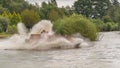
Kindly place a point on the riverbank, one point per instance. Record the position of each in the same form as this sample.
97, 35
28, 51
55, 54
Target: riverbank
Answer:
4, 35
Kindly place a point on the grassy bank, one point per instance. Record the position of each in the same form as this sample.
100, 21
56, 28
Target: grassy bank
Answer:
4, 35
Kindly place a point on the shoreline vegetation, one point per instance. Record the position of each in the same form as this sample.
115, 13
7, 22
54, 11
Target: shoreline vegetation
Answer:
81, 18
5, 35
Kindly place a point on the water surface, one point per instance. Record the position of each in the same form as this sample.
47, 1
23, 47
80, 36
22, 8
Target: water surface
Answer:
104, 54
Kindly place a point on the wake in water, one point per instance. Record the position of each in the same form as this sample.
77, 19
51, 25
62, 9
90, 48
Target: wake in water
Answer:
40, 37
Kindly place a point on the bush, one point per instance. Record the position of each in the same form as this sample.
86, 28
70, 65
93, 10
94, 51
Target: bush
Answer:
14, 18
99, 24
108, 26
30, 17
111, 26
76, 24
12, 29
107, 19
3, 24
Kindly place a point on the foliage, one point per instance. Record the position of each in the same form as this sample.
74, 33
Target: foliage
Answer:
30, 17
92, 8
107, 19
114, 13
67, 10
115, 2
76, 24
12, 29
14, 18
108, 26
54, 2
14, 5
99, 24
111, 26
2, 9
53, 15
106, 14
3, 24
47, 11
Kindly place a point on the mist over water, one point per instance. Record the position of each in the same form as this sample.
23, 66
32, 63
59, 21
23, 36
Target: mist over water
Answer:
45, 40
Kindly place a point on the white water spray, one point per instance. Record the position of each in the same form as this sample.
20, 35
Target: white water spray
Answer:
22, 30
43, 38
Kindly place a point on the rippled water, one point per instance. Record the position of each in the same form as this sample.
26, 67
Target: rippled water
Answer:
104, 54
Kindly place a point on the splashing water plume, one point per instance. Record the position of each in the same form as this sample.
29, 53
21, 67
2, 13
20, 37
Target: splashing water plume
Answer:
40, 37
22, 30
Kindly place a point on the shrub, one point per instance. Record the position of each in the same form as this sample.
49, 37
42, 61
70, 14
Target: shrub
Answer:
99, 24
3, 24
76, 24
116, 26
14, 18
107, 19
111, 26
108, 26
12, 29
30, 17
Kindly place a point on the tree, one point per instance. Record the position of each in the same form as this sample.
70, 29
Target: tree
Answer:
54, 2
83, 7
68, 10
43, 11
5, 3
114, 13
53, 15
92, 8
115, 2
44, 4
47, 11
2, 9
30, 17
15, 5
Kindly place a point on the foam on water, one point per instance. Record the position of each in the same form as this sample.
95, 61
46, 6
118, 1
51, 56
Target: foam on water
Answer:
47, 40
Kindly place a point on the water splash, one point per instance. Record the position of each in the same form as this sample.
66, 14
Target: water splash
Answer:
46, 39
22, 30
